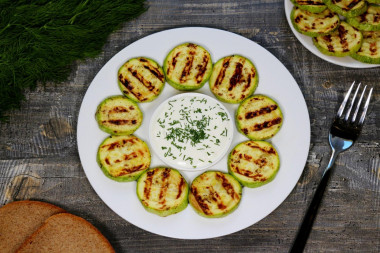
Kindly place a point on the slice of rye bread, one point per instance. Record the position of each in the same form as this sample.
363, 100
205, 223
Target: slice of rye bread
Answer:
19, 220
66, 233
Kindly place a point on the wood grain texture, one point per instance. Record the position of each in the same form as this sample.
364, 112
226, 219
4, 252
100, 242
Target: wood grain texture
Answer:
39, 159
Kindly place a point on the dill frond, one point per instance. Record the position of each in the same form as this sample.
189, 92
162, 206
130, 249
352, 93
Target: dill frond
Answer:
40, 39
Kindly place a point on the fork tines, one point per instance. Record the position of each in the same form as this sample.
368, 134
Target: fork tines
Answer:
342, 107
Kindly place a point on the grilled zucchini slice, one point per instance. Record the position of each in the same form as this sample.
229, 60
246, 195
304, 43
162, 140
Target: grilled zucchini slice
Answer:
368, 21
313, 6
188, 67
118, 115
344, 41
233, 79
373, 1
259, 117
254, 163
370, 49
215, 194
314, 24
163, 191
123, 158
347, 8
141, 79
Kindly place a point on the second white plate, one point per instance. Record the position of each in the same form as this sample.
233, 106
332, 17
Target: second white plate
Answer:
307, 42
292, 141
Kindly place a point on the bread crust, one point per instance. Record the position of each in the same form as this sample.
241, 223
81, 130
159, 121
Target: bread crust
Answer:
79, 220
19, 219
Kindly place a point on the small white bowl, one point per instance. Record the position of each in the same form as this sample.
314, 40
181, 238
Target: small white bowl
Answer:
180, 164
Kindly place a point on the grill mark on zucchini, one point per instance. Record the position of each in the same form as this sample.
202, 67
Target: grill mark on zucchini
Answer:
174, 62
202, 69
270, 151
222, 72
236, 76
309, 2
164, 186
201, 202
119, 122
259, 162
118, 109
127, 171
343, 41
248, 84
266, 124
180, 186
226, 185
130, 156
141, 79
155, 72
127, 84
216, 198
350, 6
186, 70
373, 48
114, 145
261, 111
254, 175
148, 184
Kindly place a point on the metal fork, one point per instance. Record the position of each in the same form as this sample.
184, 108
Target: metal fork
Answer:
344, 131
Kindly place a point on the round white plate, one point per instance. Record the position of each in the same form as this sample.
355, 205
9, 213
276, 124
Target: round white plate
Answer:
307, 42
292, 141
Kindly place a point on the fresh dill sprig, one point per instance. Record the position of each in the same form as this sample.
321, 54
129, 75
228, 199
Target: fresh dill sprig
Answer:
39, 40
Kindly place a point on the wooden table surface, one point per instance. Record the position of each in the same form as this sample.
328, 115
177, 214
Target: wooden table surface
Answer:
39, 157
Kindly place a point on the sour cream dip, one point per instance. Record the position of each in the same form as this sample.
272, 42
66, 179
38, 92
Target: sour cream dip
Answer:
191, 131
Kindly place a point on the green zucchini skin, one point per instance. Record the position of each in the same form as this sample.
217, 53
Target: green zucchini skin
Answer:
233, 79
345, 33
118, 115
374, 1
215, 194
314, 6
347, 12
259, 117
322, 23
116, 153
370, 49
254, 163
187, 67
163, 191
141, 79
368, 21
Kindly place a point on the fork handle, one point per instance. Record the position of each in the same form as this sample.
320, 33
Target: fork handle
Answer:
308, 220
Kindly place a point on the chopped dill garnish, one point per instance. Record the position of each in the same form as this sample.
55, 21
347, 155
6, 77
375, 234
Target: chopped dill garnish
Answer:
161, 122
169, 152
223, 115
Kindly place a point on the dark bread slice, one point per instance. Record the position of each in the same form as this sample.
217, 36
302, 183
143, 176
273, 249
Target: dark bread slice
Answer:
66, 233
19, 219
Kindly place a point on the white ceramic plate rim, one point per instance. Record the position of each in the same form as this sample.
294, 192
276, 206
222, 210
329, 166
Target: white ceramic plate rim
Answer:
307, 42
292, 141
172, 163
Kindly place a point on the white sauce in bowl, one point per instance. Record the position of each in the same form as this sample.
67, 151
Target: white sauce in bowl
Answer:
191, 131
